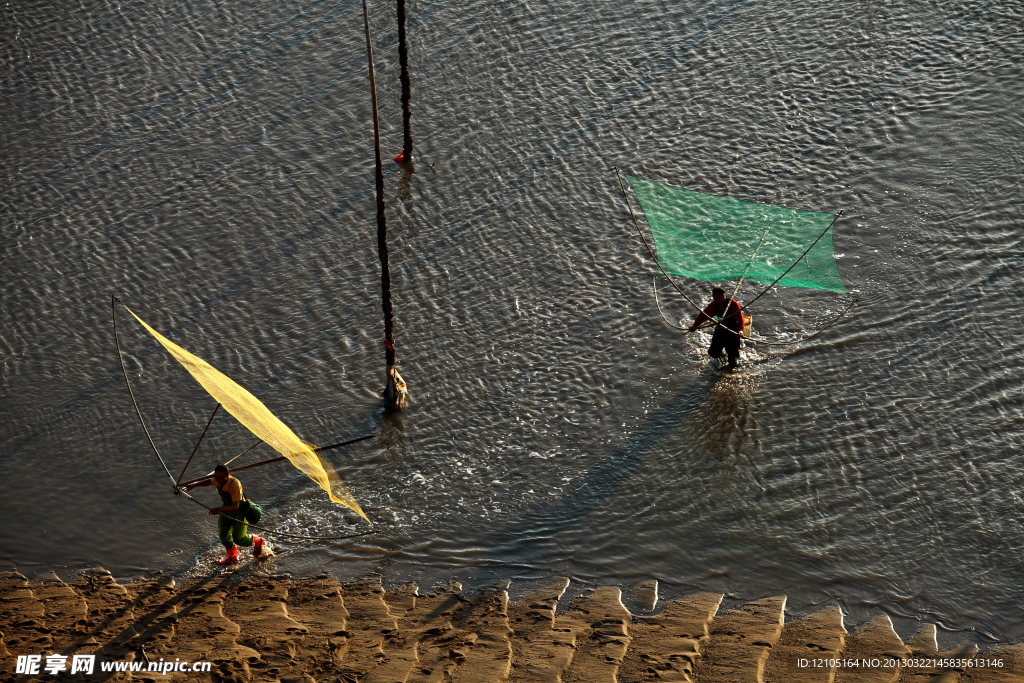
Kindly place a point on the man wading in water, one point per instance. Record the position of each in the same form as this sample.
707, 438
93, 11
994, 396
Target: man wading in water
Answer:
230, 530
727, 335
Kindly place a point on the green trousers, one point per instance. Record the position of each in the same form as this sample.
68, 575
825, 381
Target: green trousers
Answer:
232, 532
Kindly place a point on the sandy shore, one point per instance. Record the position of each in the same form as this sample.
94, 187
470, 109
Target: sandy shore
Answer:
283, 629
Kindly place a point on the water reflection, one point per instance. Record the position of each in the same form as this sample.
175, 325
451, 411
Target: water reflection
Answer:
719, 422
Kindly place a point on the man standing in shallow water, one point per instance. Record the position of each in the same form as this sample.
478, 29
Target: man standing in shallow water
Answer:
230, 530
727, 335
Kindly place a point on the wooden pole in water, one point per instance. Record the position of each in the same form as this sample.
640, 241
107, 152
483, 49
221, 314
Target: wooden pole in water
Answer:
403, 60
395, 390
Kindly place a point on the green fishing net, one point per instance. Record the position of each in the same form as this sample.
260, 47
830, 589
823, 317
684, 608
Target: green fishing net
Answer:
718, 239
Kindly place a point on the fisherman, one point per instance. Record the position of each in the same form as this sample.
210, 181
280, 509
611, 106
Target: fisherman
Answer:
727, 334
231, 526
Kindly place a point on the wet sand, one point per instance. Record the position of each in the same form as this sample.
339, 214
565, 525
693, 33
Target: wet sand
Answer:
253, 628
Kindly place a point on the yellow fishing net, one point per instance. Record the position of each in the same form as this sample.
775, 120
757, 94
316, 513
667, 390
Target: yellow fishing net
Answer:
248, 410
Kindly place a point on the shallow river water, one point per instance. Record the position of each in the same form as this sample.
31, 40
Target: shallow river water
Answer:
211, 164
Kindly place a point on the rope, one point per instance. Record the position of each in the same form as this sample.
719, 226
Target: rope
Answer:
654, 282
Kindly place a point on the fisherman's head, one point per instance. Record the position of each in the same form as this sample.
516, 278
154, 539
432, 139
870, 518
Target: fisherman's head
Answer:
220, 473
717, 293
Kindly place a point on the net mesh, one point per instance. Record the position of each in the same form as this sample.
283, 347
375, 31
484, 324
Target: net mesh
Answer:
251, 412
717, 238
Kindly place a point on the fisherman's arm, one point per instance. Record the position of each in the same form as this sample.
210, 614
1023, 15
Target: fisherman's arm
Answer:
225, 508
192, 485
701, 317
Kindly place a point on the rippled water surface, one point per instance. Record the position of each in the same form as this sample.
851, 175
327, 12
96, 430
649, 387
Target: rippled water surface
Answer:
211, 164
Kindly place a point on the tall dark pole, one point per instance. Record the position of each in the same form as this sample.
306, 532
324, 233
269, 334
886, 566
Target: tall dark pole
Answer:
403, 60
395, 389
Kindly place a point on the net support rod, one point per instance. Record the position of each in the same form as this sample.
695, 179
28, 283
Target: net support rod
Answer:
316, 449
394, 387
257, 464
382, 230
210, 422
343, 443
258, 442
765, 291
750, 263
801, 341
113, 314
618, 175
403, 61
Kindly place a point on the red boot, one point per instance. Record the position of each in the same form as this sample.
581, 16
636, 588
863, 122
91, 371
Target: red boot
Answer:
232, 556
257, 546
